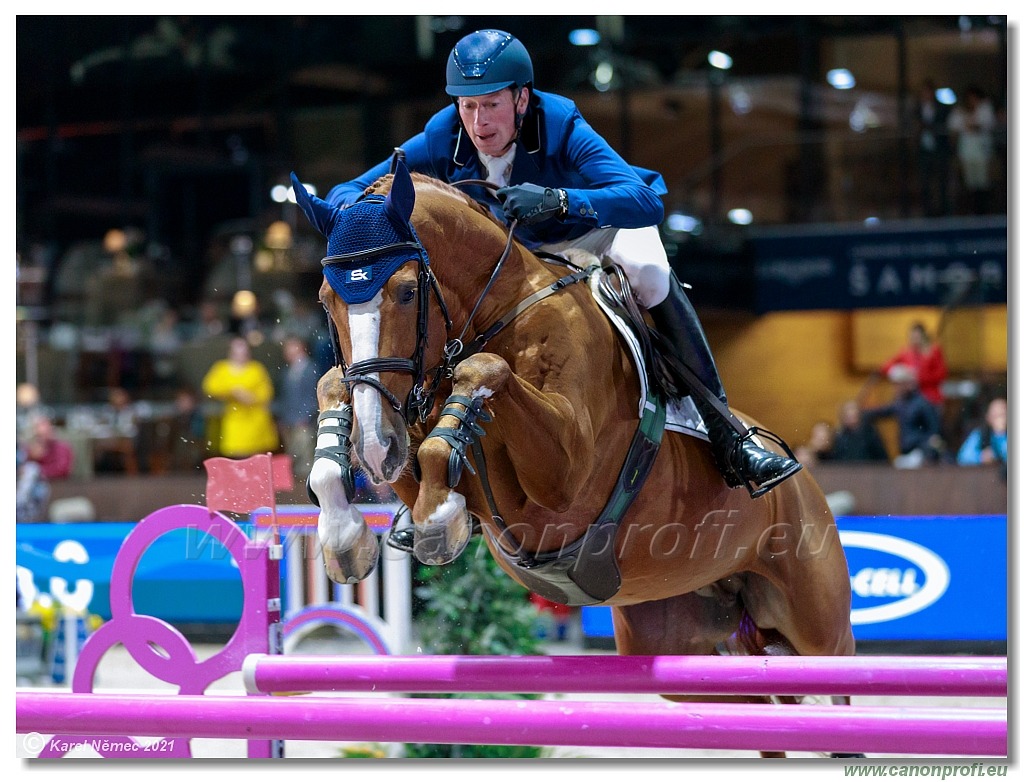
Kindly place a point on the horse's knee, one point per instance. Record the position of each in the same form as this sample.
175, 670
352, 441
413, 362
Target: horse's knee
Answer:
331, 388
484, 374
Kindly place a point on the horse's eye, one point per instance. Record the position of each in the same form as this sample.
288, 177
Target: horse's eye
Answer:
406, 295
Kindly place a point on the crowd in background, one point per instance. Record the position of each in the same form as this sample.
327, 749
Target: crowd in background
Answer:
916, 375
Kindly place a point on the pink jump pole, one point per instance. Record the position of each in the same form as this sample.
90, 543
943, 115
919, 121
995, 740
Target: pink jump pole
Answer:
920, 676
547, 723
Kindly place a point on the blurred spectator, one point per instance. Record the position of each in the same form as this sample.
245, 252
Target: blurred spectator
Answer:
934, 152
244, 386
53, 455
295, 318
165, 343
972, 124
818, 447
296, 406
211, 324
918, 422
32, 493
123, 283
123, 416
28, 405
117, 451
925, 357
986, 444
857, 440
188, 430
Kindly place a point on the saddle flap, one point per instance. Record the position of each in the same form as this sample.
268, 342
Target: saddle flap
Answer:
682, 413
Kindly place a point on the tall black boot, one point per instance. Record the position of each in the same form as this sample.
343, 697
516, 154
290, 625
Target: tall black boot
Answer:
685, 347
401, 535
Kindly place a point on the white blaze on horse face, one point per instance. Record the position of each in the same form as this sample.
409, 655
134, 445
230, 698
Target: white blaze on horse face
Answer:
364, 326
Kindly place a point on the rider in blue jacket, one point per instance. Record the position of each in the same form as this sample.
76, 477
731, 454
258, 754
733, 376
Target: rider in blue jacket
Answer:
568, 188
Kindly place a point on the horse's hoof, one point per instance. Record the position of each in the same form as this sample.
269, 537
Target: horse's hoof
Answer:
437, 547
354, 564
445, 535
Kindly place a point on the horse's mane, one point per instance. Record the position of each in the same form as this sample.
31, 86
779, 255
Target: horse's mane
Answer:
383, 184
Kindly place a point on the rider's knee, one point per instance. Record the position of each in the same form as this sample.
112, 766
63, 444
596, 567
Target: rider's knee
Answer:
650, 282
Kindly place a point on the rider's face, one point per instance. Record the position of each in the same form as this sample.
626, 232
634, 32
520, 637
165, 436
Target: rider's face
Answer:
490, 119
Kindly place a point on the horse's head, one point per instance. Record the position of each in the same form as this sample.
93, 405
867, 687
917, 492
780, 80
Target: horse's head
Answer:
377, 291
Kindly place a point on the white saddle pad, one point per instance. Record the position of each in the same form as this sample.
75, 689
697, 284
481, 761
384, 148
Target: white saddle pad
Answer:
681, 415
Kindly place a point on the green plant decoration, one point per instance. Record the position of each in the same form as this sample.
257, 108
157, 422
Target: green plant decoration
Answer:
471, 606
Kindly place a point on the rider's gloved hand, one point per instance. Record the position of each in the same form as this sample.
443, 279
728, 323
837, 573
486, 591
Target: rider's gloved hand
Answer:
531, 203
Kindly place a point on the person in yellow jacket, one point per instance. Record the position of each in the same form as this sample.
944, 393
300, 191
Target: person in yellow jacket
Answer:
247, 426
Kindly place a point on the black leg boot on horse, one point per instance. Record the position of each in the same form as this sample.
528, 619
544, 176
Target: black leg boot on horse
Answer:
685, 349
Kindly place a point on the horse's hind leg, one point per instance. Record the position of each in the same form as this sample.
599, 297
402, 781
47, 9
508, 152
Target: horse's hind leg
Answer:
712, 623
814, 620
684, 624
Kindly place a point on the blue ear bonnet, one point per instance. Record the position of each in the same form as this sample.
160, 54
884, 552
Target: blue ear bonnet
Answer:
360, 229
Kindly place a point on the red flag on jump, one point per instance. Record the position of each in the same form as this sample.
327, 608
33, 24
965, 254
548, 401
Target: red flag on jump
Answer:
241, 485
281, 465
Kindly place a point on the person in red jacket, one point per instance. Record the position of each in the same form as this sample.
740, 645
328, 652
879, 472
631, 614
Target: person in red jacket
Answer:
926, 358
54, 456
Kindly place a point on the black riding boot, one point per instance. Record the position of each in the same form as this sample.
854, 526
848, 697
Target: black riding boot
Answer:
740, 460
401, 537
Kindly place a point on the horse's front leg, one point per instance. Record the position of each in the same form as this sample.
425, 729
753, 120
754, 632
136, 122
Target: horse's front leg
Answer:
529, 424
350, 548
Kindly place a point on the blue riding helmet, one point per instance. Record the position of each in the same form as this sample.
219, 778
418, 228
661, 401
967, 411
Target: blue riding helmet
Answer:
487, 61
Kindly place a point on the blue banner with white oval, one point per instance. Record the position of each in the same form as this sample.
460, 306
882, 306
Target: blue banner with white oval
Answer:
913, 578
927, 577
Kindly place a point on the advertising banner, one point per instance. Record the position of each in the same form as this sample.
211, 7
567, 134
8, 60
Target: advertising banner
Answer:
862, 267
913, 578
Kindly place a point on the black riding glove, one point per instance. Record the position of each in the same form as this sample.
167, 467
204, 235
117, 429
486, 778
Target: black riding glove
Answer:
531, 203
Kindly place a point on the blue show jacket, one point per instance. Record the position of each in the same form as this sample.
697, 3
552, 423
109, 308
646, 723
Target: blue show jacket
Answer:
556, 148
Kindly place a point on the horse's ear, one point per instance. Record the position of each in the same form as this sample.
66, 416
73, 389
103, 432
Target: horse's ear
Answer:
321, 214
401, 198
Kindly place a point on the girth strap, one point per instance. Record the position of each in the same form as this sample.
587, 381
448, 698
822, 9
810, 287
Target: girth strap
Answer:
586, 571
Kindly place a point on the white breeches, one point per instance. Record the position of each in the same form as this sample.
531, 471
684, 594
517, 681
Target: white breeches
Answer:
638, 251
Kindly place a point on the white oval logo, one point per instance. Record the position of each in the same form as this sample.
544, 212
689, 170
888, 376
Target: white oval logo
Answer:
894, 581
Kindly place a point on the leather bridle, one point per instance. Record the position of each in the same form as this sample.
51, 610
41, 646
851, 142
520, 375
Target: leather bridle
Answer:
420, 399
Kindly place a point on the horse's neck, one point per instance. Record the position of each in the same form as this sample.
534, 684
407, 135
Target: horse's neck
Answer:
465, 268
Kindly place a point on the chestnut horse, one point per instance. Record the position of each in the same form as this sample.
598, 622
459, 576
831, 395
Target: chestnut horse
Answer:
545, 400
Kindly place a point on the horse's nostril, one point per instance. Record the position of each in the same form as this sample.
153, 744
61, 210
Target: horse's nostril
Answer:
393, 462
